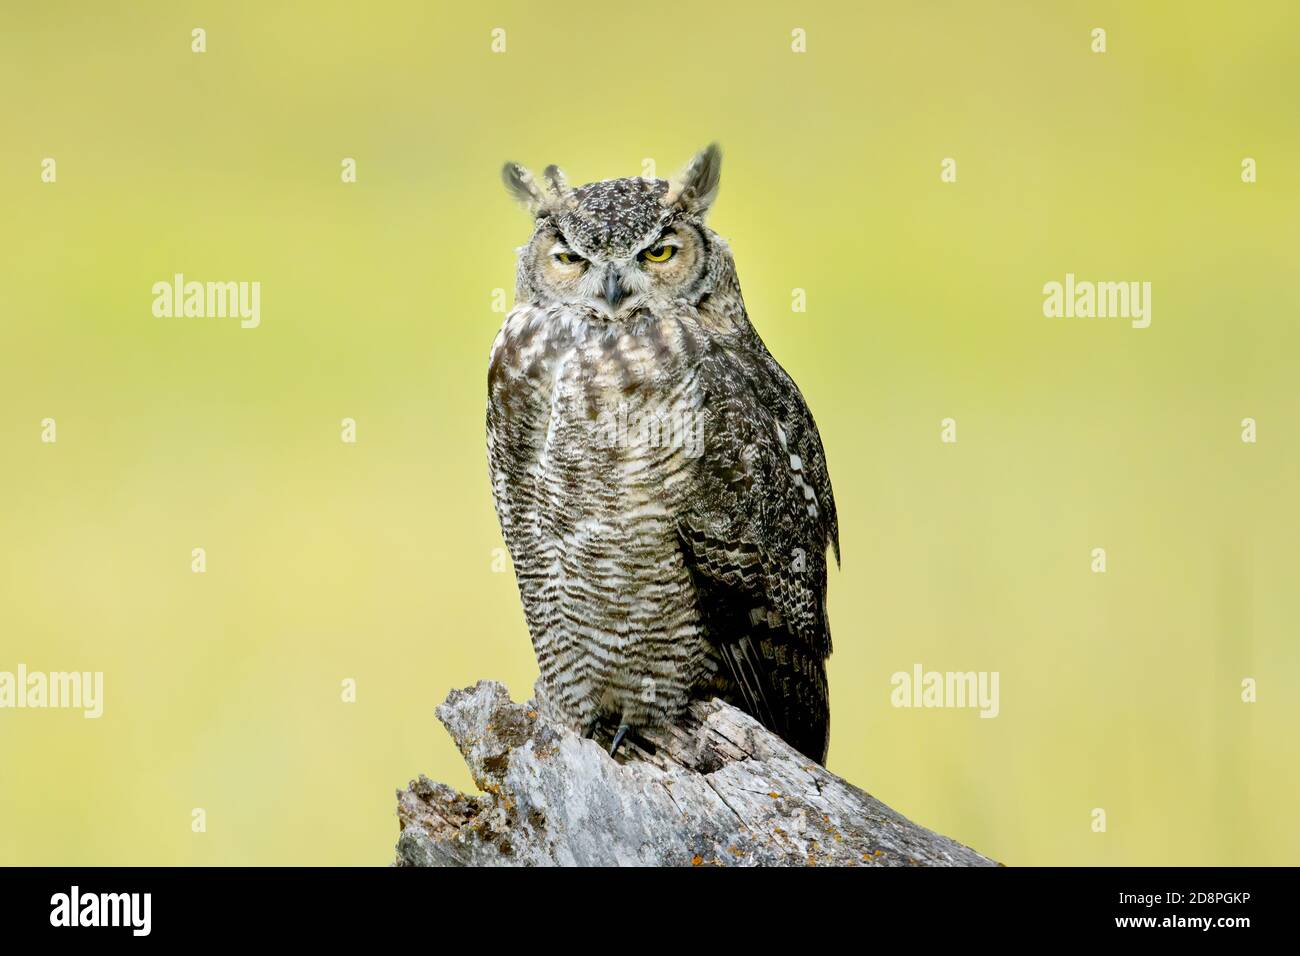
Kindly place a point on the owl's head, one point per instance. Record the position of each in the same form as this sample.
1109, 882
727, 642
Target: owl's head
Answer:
619, 246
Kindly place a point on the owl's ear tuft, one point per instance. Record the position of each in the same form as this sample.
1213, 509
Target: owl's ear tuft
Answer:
697, 186
557, 182
521, 185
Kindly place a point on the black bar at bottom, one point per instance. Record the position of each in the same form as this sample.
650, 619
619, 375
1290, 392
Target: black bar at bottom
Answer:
505, 907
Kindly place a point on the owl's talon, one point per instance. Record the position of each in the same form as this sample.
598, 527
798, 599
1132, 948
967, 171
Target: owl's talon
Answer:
618, 738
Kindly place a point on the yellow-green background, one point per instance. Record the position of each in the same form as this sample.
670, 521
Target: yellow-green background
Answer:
374, 561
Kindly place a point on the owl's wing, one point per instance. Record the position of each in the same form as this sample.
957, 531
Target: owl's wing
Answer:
514, 437
755, 539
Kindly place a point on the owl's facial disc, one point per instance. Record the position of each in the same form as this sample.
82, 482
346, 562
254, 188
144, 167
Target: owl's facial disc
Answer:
665, 265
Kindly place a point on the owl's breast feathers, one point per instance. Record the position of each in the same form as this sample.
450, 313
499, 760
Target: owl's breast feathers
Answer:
750, 499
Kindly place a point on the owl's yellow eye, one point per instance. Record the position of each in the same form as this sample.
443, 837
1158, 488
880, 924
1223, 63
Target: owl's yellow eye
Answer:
568, 258
659, 253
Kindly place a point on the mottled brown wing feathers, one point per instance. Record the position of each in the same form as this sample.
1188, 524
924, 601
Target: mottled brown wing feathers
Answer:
755, 538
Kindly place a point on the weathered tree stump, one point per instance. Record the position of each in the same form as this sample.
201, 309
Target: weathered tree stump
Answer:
719, 790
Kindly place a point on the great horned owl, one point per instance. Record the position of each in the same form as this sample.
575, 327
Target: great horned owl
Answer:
659, 479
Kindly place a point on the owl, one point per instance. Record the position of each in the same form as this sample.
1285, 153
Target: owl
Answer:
658, 477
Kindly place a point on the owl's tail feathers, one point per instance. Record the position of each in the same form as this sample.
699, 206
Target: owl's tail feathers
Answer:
782, 686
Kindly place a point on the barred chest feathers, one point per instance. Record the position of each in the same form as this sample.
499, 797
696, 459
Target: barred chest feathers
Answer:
597, 427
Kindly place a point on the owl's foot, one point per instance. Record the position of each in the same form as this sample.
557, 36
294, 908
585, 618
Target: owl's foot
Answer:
618, 738
624, 732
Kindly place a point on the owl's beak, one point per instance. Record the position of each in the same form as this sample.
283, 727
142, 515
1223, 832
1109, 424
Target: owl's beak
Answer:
613, 288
